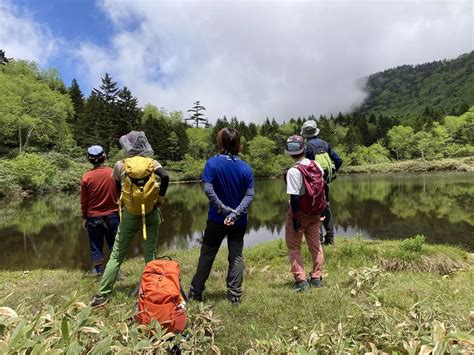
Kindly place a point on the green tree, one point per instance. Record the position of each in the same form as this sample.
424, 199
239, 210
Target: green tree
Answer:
400, 140
31, 113
200, 138
76, 120
172, 145
128, 111
423, 142
375, 154
107, 120
197, 116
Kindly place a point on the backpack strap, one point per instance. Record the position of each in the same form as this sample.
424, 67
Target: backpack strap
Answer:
143, 221
316, 150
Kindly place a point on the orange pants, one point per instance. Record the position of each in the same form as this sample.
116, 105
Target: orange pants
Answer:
310, 228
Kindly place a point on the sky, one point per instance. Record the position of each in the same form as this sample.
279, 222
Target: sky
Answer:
250, 59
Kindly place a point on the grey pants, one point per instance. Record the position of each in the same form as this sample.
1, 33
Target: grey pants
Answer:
212, 240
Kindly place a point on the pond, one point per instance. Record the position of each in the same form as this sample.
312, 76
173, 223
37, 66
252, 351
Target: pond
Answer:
46, 232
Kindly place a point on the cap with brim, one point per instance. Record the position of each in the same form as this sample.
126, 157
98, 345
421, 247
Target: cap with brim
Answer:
309, 129
95, 150
294, 145
293, 152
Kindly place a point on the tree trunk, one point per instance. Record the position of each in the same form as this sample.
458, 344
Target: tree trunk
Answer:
27, 139
19, 137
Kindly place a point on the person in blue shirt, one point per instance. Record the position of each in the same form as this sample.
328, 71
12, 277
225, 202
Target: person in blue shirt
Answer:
228, 183
316, 145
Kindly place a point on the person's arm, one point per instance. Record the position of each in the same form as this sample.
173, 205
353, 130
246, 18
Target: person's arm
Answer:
214, 200
244, 205
294, 182
294, 199
165, 179
335, 158
117, 176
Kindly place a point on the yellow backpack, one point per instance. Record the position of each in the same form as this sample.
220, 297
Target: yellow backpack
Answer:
140, 189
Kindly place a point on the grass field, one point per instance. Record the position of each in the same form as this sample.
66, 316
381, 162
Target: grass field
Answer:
392, 296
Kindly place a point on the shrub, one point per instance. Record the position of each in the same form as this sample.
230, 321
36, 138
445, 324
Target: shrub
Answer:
33, 172
413, 245
187, 169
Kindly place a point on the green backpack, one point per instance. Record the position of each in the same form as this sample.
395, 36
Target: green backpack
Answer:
324, 160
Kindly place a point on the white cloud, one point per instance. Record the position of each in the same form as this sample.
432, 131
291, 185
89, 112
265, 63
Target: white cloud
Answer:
22, 37
258, 59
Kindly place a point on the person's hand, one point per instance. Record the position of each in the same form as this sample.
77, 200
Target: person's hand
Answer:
84, 224
322, 218
160, 201
230, 219
296, 224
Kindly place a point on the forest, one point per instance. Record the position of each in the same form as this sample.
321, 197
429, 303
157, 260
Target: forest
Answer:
411, 112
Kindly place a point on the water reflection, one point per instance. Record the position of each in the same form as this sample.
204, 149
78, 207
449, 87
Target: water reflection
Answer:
47, 233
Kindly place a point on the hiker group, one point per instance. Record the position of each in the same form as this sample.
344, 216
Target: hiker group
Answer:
117, 203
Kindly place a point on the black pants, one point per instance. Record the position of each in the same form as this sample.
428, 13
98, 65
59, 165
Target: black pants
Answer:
213, 236
328, 226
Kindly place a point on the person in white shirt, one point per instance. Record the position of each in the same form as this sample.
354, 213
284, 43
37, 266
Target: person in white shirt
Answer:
303, 218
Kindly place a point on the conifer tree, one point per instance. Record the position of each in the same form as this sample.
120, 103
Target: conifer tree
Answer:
196, 114
89, 129
129, 113
108, 120
76, 121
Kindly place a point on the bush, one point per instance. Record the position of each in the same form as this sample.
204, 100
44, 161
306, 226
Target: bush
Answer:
8, 182
33, 172
413, 245
375, 154
40, 173
187, 169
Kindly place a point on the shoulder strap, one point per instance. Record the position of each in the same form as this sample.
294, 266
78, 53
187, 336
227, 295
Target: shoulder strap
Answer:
312, 146
316, 149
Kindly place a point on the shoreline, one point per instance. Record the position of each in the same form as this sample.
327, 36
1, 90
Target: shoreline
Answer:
465, 164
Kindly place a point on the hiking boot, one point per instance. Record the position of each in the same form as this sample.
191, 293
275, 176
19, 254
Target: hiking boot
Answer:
316, 282
301, 286
234, 300
99, 301
328, 239
100, 269
194, 296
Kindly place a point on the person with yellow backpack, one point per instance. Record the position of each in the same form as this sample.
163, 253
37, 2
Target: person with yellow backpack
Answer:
320, 151
141, 196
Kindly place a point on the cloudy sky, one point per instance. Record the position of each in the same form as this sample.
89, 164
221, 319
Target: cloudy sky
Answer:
251, 59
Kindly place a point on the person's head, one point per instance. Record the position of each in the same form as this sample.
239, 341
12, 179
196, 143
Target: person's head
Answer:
228, 141
309, 129
96, 155
135, 143
295, 147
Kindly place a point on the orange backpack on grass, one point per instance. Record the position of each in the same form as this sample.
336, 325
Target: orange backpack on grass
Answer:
160, 296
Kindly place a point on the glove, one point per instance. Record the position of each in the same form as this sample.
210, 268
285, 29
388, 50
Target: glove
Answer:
296, 224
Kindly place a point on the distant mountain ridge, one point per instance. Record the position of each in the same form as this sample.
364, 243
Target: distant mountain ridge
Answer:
446, 86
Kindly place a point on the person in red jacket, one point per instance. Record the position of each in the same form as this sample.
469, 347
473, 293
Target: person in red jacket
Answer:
99, 206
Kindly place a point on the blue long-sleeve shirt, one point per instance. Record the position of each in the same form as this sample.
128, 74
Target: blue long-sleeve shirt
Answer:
325, 145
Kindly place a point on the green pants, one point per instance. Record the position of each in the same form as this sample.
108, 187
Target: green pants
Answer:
129, 225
